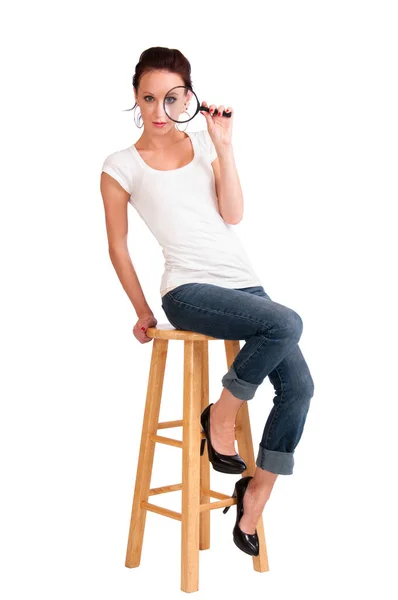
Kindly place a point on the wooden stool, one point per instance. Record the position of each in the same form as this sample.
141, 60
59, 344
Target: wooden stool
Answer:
195, 486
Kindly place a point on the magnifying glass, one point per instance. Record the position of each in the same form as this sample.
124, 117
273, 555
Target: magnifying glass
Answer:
177, 101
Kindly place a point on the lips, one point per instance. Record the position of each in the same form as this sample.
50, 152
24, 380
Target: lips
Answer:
159, 122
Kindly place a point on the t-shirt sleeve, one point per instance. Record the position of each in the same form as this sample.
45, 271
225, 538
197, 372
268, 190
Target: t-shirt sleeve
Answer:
117, 167
209, 146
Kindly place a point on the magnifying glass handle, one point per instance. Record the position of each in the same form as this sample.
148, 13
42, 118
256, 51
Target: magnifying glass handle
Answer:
224, 114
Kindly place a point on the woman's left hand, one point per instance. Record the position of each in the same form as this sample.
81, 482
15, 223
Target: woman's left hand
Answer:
219, 127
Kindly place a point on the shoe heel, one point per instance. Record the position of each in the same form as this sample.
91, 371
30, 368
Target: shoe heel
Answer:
226, 509
202, 446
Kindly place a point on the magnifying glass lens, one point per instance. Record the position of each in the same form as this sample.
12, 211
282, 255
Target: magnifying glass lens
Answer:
180, 104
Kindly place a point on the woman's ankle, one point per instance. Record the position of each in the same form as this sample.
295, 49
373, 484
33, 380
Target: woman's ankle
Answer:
226, 407
221, 415
254, 502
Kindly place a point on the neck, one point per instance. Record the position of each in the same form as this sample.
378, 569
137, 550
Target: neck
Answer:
163, 140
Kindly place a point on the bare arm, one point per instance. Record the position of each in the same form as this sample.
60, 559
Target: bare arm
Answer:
229, 191
115, 200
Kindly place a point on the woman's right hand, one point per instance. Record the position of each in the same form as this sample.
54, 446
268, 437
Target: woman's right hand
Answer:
141, 326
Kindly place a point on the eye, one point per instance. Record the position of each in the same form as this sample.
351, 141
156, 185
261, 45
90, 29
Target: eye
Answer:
170, 98
145, 97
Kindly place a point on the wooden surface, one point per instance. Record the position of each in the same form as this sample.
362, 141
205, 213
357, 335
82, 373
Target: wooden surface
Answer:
165, 331
195, 472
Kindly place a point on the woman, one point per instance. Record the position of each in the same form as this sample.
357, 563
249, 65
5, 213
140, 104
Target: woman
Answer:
186, 188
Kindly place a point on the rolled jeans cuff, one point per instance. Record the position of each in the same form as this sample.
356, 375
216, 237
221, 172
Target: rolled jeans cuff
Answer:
244, 390
281, 463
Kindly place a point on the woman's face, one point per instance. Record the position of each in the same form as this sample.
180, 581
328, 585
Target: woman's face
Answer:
152, 90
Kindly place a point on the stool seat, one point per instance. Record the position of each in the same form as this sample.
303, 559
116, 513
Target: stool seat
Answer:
165, 331
196, 490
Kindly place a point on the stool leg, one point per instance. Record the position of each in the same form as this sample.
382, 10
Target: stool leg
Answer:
191, 466
204, 523
147, 450
246, 451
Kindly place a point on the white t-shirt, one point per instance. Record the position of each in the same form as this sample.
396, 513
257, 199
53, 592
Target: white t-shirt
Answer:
180, 208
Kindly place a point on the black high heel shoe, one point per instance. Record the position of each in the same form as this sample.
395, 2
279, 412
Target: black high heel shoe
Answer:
223, 463
247, 542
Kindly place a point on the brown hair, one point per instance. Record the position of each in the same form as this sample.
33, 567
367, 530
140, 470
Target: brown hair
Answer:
167, 59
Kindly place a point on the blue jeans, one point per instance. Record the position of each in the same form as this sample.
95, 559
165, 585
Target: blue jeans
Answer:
271, 332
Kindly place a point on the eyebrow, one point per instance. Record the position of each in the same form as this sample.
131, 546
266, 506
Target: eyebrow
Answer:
152, 93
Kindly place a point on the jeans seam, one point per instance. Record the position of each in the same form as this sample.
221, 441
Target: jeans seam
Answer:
218, 312
277, 408
254, 351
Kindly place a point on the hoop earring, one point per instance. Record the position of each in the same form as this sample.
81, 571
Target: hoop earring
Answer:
140, 117
176, 125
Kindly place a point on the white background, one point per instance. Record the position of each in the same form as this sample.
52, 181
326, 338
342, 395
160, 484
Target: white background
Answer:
314, 90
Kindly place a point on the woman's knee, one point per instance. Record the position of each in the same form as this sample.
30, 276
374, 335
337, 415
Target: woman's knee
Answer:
292, 325
307, 387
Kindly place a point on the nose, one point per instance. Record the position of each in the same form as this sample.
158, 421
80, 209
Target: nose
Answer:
161, 115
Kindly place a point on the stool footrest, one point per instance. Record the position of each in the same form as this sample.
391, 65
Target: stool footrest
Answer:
165, 440
166, 512
224, 500
170, 441
179, 423
220, 504
215, 494
166, 424
165, 488
175, 487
